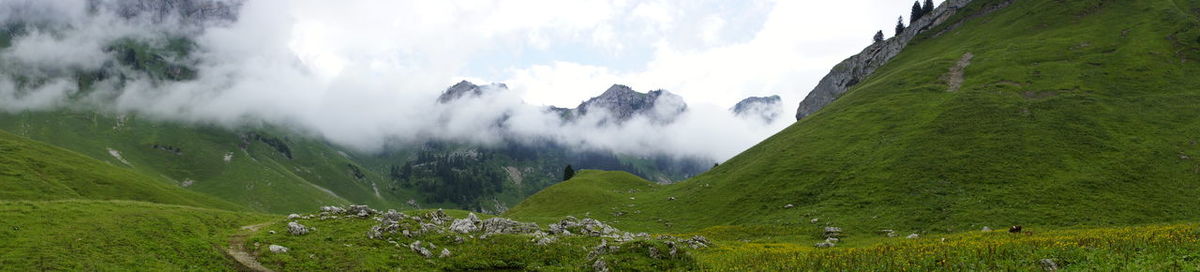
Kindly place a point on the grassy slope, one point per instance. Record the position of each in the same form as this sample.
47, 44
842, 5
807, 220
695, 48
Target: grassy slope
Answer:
1072, 113
88, 235
30, 170
258, 177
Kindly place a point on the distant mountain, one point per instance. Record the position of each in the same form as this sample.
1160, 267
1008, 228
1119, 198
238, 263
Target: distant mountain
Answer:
467, 89
186, 11
766, 108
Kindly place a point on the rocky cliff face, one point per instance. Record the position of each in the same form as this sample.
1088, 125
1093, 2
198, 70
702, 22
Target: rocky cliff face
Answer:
767, 108
858, 67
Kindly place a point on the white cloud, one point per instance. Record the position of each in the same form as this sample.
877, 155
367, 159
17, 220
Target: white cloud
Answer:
361, 72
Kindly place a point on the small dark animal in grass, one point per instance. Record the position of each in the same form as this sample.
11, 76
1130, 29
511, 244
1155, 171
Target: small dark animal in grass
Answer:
1014, 229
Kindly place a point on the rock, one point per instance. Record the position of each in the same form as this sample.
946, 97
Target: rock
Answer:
277, 249
332, 209
293, 216
697, 241
466, 225
600, 266
671, 198
986, 229
789, 206
913, 236
832, 240
392, 215
587, 226
271, 232
888, 232
497, 225
416, 247
654, 253
814, 220
1048, 265
858, 67
437, 217
361, 211
824, 245
296, 228
833, 232
445, 253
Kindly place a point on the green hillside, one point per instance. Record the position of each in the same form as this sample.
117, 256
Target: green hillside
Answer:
30, 170
265, 171
1071, 113
88, 235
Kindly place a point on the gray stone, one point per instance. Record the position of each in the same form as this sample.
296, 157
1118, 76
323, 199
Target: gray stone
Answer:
277, 249
466, 225
824, 245
913, 236
986, 229
445, 253
600, 266
293, 216
766, 108
296, 228
1048, 265
416, 247
858, 67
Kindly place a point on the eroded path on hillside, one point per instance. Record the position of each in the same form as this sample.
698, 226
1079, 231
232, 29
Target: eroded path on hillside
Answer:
237, 248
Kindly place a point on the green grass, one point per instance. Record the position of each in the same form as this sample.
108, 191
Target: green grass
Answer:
1144, 248
258, 177
87, 235
1078, 113
30, 170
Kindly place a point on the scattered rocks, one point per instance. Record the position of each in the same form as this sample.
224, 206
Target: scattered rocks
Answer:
697, 241
587, 226
277, 249
361, 211
1048, 265
498, 225
888, 233
437, 217
296, 228
832, 240
832, 232
332, 209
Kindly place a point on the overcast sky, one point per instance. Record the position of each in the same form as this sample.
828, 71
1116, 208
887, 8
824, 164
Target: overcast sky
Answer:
366, 74
560, 52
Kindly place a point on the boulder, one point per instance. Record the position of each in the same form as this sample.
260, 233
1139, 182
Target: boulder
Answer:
445, 253
296, 228
913, 236
361, 211
824, 245
332, 209
833, 232
466, 225
1048, 265
293, 216
416, 247
277, 249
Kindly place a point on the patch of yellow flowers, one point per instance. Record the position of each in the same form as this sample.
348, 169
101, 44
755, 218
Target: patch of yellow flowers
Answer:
1144, 248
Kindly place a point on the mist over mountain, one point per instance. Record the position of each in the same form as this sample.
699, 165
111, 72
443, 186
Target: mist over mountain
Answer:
234, 64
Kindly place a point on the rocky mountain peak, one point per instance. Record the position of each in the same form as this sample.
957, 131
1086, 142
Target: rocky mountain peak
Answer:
466, 88
765, 107
624, 103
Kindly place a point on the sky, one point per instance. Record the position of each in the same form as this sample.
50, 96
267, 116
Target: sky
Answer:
365, 74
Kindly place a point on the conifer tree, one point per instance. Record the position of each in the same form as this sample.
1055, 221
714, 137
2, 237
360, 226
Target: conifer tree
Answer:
568, 173
917, 12
879, 36
900, 26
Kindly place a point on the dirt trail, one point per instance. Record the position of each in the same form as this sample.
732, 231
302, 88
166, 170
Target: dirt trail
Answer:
954, 78
237, 249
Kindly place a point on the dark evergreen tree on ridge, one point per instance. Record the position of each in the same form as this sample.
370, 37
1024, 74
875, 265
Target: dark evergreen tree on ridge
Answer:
917, 12
900, 26
568, 173
928, 9
879, 36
